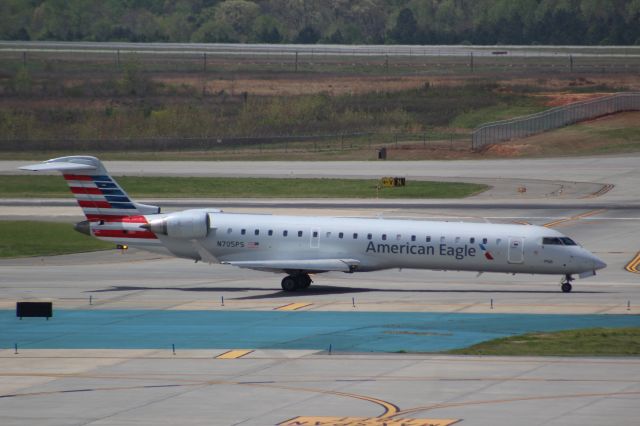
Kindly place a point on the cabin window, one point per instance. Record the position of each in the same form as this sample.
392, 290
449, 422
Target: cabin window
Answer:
398, 237
428, 239
384, 237
457, 240
270, 233
243, 231
256, 232
315, 234
355, 236
552, 241
413, 238
229, 230
484, 241
472, 240
328, 234
341, 234
369, 236
442, 239
299, 233
498, 241
285, 233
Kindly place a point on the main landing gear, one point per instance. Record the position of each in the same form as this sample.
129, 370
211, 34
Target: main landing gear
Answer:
565, 284
296, 282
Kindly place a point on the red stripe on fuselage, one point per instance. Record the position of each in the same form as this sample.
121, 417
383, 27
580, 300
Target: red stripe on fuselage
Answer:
77, 177
94, 204
118, 233
116, 218
84, 190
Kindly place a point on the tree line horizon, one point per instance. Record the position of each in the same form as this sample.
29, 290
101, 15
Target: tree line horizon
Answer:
478, 22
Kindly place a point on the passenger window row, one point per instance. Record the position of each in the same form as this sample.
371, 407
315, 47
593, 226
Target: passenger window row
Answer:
398, 237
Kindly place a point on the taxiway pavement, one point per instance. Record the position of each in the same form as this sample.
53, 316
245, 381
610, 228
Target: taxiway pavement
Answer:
255, 387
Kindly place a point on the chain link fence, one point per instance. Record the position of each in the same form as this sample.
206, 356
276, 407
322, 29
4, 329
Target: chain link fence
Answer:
281, 143
553, 118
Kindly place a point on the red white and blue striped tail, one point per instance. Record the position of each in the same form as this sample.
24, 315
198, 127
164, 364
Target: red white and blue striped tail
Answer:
102, 200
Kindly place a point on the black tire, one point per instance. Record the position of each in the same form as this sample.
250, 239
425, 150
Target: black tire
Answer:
289, 283
566, 287
304, 281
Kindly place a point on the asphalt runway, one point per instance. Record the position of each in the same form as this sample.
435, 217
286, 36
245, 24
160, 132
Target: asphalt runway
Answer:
229, 384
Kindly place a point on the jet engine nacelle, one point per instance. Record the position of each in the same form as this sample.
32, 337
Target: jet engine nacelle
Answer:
191, 225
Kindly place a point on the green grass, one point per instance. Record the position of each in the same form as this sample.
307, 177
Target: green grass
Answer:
31, 186
30, 238
631, 134
582, 342
478, 117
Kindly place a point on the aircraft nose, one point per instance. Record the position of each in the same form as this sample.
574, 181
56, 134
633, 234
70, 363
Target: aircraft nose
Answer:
598, 264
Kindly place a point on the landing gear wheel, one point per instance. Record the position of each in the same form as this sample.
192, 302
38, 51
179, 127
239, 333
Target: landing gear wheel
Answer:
304, 281
289, 283
566, 283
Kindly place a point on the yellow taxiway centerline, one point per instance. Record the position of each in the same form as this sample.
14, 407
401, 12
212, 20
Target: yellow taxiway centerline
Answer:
634, 264
234, 354
293, 306
576, 217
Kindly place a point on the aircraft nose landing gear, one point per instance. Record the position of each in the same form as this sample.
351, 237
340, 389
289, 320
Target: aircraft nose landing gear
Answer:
295, 282
565, 284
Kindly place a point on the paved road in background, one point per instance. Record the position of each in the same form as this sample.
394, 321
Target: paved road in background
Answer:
551, 179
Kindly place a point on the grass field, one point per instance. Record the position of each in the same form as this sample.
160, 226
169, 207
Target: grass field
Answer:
30, 186
30, 238
583, 342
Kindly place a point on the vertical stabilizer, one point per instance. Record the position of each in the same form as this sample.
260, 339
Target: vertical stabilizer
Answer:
97, 193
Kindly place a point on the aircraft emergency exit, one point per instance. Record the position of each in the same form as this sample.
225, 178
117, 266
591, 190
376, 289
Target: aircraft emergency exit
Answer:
299, 246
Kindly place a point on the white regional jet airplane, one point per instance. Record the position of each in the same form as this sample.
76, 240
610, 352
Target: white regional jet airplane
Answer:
299, 246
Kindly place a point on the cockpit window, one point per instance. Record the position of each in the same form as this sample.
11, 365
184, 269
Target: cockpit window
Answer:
568, 241
552, 241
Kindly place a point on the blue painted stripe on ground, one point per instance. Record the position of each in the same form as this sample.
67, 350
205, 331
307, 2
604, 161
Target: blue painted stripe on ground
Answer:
345, 331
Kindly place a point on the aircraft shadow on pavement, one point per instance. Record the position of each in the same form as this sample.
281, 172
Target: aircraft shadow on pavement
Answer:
316, 290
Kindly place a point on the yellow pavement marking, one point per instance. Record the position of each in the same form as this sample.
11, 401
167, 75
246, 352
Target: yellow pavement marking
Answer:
633, 265
517, 399
576, 217
234, 354
364, 421
293, 306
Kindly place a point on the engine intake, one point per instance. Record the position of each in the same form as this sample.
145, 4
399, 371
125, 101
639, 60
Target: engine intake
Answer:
191, 225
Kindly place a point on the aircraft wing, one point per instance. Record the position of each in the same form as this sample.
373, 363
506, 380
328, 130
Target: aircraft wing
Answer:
306, 265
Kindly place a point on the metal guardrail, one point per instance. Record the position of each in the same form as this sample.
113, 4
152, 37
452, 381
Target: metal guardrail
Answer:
553, 118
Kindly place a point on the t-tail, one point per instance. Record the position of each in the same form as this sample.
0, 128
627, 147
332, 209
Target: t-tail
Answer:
110, 212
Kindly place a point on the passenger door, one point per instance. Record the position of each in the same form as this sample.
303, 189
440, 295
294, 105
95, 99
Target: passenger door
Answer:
516, 250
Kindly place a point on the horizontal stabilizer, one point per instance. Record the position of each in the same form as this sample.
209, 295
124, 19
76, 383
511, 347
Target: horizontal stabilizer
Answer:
307, 265
57, 166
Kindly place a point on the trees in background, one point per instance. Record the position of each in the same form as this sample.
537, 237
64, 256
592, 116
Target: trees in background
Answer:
324, 21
